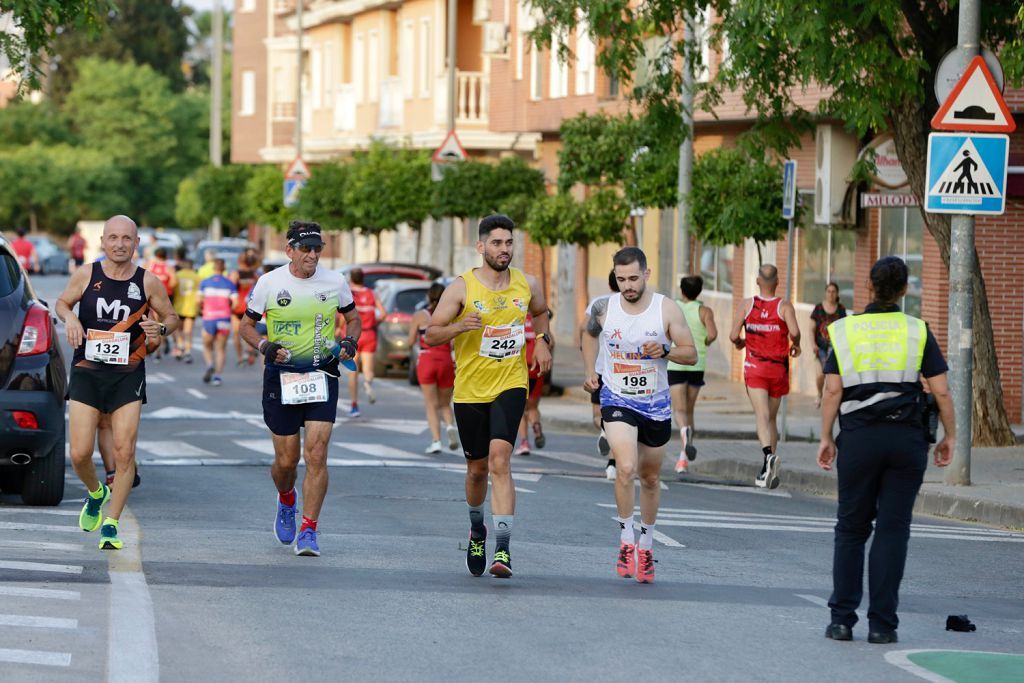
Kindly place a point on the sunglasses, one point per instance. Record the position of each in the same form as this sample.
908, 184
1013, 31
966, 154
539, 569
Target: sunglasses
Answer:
305, 248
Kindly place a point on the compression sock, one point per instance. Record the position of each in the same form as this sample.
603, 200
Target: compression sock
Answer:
307, 523
287, 498
502, 530
626, 533
646, 535
476, 520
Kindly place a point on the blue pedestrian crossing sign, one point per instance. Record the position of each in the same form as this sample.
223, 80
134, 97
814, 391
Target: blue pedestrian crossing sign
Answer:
789, 189
966, 173
292, 188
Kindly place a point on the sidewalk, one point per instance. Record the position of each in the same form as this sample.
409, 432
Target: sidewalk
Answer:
727, 449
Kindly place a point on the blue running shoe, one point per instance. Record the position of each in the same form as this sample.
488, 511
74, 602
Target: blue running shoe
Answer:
354, 411
306, 545
284, 525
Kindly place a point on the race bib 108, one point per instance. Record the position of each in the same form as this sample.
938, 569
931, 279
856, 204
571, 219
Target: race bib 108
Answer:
303, 387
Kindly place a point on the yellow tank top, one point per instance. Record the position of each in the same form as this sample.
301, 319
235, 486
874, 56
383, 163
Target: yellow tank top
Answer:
492, 359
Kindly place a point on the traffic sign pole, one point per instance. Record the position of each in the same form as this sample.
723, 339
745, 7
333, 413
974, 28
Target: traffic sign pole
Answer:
788, 211
961, 295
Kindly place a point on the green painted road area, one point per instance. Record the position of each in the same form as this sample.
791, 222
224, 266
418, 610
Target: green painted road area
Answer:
962, 666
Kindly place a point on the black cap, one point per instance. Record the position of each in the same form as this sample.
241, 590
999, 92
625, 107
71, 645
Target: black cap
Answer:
305, 233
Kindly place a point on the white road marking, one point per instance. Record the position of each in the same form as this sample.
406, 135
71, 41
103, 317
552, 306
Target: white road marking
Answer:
41, 593
526, 476
740, 489
42, 545
665, 539
522, 490
35, 657
158, 378
41, 567
37, 622
574, 458
411, 427
175, 413
664, 486
379, 450
901, 659
132, 625
173, 449
820, 602
38, 511
264, 446
196, 393
31, 526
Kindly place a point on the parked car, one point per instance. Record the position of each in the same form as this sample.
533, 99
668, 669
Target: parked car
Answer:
399, 298
228, 249
52, 257
377, 272
33, 382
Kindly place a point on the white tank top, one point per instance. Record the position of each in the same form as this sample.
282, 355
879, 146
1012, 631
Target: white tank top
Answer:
625, 370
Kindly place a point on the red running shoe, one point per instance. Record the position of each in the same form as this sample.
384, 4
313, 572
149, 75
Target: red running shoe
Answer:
626, 565
645, 571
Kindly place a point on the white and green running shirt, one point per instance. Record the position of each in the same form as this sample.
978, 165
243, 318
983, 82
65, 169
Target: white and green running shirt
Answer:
300, 313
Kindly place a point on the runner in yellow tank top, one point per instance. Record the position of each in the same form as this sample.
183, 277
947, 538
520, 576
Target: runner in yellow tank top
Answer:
484, 312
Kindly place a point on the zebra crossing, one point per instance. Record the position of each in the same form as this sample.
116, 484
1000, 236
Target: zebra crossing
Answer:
46, 610
751, 521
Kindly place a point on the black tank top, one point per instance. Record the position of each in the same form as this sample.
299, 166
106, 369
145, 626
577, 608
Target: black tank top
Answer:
116, 306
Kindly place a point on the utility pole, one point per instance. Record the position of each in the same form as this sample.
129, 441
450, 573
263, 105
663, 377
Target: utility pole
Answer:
448, 223
686, 152
961, 292
216, 100
298, 81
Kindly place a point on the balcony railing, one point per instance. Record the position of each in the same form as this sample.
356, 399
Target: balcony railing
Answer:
472, 97
283, 111
390, 109
284, 6
345, 108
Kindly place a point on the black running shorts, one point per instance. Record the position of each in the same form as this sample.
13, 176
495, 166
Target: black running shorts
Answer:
653, 433
104, 390
695, 378
481, 423
286, 420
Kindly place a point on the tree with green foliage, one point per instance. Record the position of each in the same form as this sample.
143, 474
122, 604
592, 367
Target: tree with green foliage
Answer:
598, 219
129, 113
472, 189
188, 207
145, 32
23, 123
264, 198
877, 59
220, 195
323, 198
39, 23
735, 196
54, 187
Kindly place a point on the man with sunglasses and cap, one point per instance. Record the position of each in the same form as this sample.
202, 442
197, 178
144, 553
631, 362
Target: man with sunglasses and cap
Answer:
300, 378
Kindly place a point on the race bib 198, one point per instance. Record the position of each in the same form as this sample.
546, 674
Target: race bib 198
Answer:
303, 387
502, 341
102, 346
635, 378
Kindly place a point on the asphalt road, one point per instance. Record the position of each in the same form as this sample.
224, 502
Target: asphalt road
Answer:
203, 591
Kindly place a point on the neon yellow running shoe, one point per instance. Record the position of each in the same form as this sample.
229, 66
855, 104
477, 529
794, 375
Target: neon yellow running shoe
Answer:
108, 536
92, 511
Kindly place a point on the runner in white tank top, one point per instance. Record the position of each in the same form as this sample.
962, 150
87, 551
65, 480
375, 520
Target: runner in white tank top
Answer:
633, 331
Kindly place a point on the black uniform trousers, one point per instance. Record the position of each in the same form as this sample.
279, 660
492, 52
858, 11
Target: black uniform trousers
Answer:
880, 470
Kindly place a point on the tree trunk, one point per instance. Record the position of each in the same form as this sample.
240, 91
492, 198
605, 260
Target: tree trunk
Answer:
417, 230
376, 246
582, 290
990, 424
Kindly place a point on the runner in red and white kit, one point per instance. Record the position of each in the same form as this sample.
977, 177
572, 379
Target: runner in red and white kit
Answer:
435, 372
159, 266
771, 336
370, 311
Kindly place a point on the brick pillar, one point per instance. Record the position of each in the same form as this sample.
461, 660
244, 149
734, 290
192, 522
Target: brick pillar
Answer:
865, 257
736, 357
934, 290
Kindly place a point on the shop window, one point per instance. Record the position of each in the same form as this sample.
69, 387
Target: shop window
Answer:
902, 234
824, 254
716, 267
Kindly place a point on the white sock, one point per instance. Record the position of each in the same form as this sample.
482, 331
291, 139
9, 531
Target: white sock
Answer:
626, 533
646, 535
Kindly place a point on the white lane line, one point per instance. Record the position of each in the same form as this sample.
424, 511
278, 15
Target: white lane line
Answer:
739, 489
901, 659
522, 490
41, 567
820, 602
753, 527
173, 449
526, 476
41, 593
264, 446
665, 539
42, 545
132, 624
30, 526
379, 450
196, 393
38, 511
410, 427
35, 657
966, 537
37, 622
664, 486
574, 458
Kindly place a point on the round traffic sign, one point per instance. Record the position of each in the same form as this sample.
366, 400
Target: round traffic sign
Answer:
953, 66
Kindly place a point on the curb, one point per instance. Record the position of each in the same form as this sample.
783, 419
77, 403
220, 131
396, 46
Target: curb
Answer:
928, 502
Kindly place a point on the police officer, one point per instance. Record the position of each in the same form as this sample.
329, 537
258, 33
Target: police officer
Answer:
872, 381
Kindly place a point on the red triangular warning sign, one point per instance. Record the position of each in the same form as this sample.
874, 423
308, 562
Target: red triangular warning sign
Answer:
450, 150
297, 170
975, 105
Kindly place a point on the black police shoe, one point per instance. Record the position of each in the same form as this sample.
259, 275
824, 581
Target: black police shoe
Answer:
882, 637
838, 632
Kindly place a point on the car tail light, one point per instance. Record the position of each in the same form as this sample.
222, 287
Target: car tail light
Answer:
398, 317
35, 334
25, 420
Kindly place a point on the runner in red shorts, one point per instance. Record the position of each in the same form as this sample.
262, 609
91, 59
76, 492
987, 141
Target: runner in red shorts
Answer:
370, 311
435, 372
769, 326
531, 416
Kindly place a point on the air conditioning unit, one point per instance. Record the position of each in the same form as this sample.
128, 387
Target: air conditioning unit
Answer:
835, 155
495, 39
481, 11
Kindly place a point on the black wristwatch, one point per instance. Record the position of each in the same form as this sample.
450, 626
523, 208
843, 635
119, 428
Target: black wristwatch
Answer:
542, 336
163, 330
666, 348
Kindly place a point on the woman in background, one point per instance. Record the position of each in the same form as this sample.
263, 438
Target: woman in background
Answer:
435, 372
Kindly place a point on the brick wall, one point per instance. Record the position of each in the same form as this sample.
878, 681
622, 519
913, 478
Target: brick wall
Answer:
738, 266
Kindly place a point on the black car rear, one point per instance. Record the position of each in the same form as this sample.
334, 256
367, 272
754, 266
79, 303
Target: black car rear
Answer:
32, 387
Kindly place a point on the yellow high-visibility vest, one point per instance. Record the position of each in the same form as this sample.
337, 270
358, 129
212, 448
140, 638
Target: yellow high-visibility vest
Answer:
877, 348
